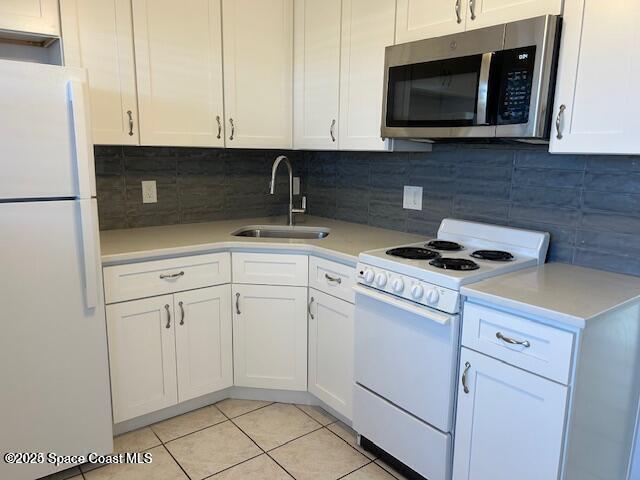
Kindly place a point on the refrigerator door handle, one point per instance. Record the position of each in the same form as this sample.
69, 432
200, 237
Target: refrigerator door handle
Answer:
88, 227
82, 135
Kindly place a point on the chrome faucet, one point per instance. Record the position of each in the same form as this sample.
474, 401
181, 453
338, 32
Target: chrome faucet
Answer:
272, 188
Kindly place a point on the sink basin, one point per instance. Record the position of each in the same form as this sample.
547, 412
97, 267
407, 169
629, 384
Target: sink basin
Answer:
283, 231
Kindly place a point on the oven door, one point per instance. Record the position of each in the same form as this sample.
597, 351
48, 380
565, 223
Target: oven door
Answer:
407, 355
439, 87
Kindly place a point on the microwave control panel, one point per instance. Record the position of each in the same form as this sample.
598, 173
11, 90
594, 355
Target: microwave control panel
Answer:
515, 85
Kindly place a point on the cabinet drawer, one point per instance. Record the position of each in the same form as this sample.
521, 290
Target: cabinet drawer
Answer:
543, 350
159, 277
270, 269
332, 278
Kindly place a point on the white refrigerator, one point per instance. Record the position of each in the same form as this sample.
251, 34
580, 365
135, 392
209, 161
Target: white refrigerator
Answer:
54, 376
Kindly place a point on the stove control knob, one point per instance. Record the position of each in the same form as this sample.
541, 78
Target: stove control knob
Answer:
368, 275
381, 279
417, 291
398, 285
433, 296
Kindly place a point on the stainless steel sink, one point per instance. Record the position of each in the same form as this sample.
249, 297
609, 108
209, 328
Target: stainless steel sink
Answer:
283, 231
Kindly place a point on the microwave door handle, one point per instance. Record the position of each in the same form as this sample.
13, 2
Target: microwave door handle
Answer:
483, 89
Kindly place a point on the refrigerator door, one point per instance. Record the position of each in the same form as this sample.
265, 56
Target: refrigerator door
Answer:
46, 147
55, 393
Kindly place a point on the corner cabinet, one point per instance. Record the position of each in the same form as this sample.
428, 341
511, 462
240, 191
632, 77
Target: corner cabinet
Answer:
258, 73
509, 424
368, 26
270, 336
178, 49
597, 102
98, 36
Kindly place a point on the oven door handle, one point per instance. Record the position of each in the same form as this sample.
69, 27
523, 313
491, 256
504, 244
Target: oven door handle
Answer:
441, 318
483, 89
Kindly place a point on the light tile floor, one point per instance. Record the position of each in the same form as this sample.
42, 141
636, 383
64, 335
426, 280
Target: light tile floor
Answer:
243, 440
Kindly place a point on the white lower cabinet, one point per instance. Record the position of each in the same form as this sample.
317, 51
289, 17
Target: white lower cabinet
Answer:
331, 351
168, 349
510, 423
203, 341
142, 356
270, 336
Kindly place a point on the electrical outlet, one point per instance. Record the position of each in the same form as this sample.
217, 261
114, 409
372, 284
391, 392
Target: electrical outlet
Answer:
412, 198
149, 192
296, 185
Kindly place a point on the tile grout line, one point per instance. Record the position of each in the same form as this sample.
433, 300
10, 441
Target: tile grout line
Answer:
176, 460
348, 443
358, 469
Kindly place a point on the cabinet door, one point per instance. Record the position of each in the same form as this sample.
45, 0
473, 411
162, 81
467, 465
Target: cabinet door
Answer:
258, 72
316, 73
32, 16
203, 341
419, 19
509, 425
331, 351
270, 336
597, 99
179, 72
368, 26
142, 356
487, 13
98, 36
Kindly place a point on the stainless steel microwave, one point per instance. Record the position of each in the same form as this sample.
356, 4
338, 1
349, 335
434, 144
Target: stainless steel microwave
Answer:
492, 82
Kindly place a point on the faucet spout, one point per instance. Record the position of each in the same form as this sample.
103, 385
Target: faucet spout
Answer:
272, 187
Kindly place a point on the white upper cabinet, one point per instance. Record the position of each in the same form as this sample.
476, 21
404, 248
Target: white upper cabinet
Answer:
419, 19
258, 72
486, 13
179, 72
203, 341
98, 36
31, 16
510, 423
316, 73
597, 99
368, 26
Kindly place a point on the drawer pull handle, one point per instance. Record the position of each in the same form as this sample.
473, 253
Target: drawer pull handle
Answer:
337, 280
238, 303
467, 366
309, 308
181, 313
168, 325
511, 341
169, 276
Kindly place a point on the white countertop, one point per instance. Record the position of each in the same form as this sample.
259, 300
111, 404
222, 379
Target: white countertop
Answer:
564, 293
344, 243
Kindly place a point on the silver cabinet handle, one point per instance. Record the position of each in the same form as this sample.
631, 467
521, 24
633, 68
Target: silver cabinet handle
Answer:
181, 305
169, 276
233, 129
458, 7
331, 128
168, 325
559, 121
337, 280
467, 366
130, 115
511, 341
472, 7
309, 308
219, 126
238, 303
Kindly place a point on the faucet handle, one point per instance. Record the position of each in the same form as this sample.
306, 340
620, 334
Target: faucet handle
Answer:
304, 207
304, 202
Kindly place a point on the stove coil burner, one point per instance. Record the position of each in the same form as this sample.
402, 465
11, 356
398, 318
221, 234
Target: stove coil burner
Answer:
495, 255
444, 245
413, 253
454, 263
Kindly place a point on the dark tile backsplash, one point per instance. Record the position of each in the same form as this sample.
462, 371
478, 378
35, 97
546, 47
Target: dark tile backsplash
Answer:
589, 204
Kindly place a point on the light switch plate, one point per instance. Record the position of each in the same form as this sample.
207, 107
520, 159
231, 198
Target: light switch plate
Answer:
412, 199
296, 185
149, 192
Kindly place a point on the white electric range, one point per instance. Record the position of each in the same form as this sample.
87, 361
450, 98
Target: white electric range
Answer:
407, 327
